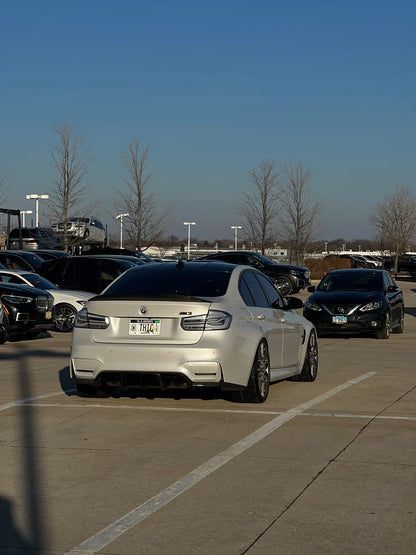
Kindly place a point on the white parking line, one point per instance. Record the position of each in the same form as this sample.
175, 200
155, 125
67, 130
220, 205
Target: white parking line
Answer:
216, 411
21, 402
140, 513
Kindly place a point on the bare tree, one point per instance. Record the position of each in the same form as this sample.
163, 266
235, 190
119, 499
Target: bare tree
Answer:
260, 205
71, 158
395, 221
300, 209
145, 225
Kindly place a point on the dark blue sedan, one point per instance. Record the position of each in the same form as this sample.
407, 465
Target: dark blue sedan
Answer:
356, 301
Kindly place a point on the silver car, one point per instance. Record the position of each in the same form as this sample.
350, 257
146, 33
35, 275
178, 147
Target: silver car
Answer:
190, 325
90, 230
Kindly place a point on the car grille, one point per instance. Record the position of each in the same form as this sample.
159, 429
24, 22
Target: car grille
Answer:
44, 303
340, 308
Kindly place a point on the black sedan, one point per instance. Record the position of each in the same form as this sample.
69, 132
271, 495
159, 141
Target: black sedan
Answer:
356, 301
27, 310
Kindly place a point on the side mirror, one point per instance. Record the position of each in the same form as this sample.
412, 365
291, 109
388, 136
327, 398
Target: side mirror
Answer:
311, 288
392, 289
294, 303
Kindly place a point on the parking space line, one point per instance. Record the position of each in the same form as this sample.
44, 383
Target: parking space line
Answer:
217, 411
140, 513
28, 400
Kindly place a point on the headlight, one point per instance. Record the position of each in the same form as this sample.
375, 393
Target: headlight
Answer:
17, 299
312, 306
375, 305
85, 319
214, 320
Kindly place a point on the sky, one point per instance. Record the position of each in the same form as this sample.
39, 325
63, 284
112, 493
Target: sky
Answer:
213, 88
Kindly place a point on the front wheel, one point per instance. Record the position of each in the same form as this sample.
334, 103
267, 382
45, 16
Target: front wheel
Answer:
384, 333
64, 317
258, 384
400, 326
310, 364
283, 285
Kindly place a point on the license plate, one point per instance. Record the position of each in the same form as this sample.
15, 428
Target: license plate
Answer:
144, 327
339, 319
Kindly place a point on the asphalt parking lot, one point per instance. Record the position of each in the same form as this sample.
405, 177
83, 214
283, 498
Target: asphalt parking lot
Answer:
323, 467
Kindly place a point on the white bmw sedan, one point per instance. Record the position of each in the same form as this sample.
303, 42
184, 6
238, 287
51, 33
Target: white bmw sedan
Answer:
66, 303
190, 325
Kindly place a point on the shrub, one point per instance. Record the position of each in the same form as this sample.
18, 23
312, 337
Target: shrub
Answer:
320, 266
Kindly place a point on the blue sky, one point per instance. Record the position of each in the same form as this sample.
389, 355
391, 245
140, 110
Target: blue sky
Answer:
214, 87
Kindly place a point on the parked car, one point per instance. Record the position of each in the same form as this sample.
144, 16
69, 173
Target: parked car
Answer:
3, 332
51, 254
33, 238
357, 301
28, 310
124, 252
287, 277
90, 230
407, 264
66, 303
192, 325
21, 260
85, 273
356, 260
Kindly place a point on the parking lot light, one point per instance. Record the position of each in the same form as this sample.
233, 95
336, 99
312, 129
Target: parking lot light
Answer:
236, 228
189, 237
36, 198
120, 217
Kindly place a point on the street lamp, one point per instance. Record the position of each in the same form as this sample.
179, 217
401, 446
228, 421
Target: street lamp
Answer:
23, 213
236, 228
120, 217
189, 237
36, 198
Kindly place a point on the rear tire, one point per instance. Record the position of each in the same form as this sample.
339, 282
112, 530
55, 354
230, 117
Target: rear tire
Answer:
258, 384
310, 364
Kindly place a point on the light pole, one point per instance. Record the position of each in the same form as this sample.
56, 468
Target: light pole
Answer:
120, 217
23, 213
189, 237
236, 228
36, 198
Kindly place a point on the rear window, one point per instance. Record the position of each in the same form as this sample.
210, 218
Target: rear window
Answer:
156, 280
26, 234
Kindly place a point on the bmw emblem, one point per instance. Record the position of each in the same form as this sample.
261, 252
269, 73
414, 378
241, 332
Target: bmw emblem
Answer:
143, 310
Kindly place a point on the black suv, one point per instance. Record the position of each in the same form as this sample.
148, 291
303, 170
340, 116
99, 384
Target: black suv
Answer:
27, 310
287, 277
85, 273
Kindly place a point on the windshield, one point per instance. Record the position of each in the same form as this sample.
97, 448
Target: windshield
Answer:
38, 281
262, 258
362, 281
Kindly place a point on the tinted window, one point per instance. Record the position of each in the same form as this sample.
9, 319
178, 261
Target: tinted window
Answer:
256, 291
270, 290
245, 293
169, 279
352, 281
